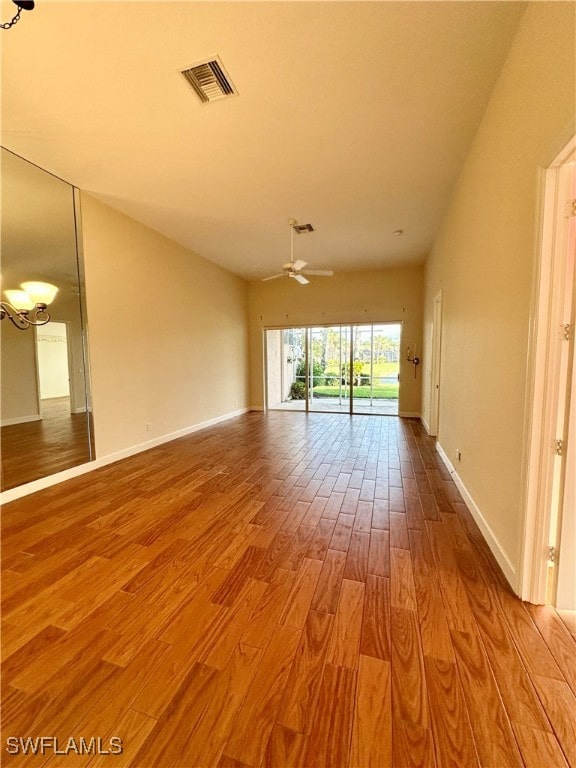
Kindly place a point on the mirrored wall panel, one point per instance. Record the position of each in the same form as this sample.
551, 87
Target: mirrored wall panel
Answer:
45, 409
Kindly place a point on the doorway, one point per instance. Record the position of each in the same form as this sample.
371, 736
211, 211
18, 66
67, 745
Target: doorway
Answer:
549, 557
53, 364
334, 369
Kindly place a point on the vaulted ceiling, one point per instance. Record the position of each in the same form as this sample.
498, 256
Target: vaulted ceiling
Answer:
353, 116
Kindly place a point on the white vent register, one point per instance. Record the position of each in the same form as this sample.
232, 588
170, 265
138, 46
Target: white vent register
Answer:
209, 80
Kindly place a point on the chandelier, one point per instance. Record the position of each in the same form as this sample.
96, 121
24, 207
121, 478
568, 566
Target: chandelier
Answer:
22, 5
28, 305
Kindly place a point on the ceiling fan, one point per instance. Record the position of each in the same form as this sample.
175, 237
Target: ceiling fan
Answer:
295, 269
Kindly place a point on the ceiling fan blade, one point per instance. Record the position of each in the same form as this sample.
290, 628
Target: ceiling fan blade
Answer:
301, 279
318, 272
298, 265
280, 274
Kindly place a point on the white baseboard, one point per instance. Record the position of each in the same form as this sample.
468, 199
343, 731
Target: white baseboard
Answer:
20, 420
409, 414
82, 469
425, 424
256, 408
497, 550
140, 447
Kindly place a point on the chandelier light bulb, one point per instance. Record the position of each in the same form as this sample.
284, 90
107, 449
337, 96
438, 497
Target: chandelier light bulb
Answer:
20, 300
40, 293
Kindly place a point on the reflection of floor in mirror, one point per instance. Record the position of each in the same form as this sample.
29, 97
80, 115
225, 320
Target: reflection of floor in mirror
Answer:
40, 448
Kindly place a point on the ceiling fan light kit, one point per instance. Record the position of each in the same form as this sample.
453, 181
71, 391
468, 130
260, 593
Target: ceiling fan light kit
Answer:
295, 269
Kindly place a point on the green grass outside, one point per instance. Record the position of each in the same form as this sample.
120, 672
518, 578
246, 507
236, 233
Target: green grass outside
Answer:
387, 391
378, 369
381, 369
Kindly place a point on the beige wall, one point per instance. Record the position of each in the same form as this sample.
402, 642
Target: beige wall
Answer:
483, 260
393, 295
167, 332
19, 379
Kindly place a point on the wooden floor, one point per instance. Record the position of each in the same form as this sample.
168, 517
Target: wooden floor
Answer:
286, 590
35, 449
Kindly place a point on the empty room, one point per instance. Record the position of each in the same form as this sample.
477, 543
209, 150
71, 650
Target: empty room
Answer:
288, 400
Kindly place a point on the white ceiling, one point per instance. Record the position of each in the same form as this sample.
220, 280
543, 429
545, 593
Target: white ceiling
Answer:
353, 116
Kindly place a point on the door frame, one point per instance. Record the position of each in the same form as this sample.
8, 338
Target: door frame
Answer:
306, 329
69, 360
544, 386
564, 595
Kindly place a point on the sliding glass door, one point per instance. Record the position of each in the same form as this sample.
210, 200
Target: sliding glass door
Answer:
328, 358
376, 368
340, 368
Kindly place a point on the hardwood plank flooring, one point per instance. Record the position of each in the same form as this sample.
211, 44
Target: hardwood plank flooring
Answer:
284, 590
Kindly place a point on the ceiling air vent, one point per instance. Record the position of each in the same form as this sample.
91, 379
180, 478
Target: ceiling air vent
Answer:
210, 80
301, 228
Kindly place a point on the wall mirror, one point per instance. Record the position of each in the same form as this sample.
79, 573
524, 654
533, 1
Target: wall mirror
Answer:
45, 413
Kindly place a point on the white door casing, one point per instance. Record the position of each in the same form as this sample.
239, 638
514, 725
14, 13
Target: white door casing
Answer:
548, 389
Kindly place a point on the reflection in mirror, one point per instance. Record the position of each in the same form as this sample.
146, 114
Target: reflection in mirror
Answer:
46, 424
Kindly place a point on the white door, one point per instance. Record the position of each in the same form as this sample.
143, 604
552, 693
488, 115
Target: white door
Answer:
436, 349
549, 467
